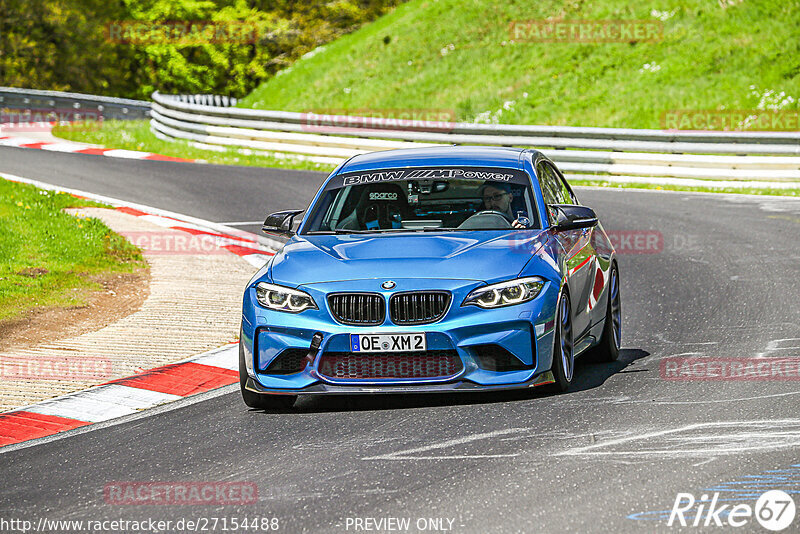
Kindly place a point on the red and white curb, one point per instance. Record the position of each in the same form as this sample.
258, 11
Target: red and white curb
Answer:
122, 397
154, 387
253, 248
244, 246
22, 141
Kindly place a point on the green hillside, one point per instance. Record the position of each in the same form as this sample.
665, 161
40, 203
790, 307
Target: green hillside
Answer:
458, 55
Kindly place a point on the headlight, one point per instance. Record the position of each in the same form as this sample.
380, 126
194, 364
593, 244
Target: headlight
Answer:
283, 298
505, 293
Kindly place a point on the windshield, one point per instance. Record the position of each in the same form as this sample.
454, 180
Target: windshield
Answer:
412, 199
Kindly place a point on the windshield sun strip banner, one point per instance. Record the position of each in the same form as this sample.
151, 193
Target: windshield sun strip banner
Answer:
496, 174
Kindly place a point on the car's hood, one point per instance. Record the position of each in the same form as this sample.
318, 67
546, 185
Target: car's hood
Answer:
479, 255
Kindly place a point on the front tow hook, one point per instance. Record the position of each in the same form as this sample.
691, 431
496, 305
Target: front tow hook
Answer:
316, 341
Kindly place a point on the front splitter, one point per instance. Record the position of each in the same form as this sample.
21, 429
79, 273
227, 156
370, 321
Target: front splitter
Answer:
450, 387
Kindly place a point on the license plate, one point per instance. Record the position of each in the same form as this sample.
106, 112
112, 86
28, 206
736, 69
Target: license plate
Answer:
388, 342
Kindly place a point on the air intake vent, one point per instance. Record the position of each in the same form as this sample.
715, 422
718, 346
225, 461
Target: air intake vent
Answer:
397, 365
418, 307
287, 362
496, 358
358, 309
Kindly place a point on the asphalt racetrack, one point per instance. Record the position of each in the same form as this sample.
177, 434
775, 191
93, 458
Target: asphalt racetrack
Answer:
611, 455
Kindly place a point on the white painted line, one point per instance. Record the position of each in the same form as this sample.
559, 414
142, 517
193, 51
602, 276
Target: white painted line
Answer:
256, 260
588, 448
226, 358
82, 408
128, 397
750, 436
404, 455
127, 154
64, 147
718, 401
242, 223
455, 457
17, 141
774, 346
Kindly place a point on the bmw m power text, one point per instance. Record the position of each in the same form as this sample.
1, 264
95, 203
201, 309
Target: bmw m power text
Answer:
431, 270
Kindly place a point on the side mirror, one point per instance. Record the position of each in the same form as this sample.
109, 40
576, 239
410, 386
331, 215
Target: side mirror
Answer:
280, 222
571, 217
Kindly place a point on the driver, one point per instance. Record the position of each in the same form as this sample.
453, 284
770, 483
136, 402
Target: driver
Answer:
497, 196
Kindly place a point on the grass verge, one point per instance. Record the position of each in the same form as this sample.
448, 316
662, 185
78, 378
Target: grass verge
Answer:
694, 189
460, 55
49, 258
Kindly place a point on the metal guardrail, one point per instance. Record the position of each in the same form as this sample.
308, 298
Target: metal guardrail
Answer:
38, 102
207, 100
178, 103
212, 121
715, 155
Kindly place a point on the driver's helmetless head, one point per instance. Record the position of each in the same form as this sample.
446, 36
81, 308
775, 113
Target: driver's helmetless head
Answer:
496, 198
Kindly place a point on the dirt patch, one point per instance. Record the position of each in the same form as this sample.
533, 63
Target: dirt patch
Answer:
33, 272
122, 294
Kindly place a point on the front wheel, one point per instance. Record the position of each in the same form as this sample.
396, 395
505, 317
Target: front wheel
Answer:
256, 400
563, 348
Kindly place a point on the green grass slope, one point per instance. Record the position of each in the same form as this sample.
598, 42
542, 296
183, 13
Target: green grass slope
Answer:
457, 55
49, 258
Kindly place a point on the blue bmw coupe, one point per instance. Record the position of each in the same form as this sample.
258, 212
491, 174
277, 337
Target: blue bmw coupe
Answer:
431, 270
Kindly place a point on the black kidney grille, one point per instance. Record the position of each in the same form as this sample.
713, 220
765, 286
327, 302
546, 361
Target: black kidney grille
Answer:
359, 309
418, 307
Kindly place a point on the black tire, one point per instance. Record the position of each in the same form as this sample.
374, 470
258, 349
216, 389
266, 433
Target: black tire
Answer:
608, 348
564, 346
256, 400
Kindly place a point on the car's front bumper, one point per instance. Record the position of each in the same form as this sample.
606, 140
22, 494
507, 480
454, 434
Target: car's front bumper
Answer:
525, 330
461, 386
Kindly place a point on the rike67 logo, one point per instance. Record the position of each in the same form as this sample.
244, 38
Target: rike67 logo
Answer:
774, 510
